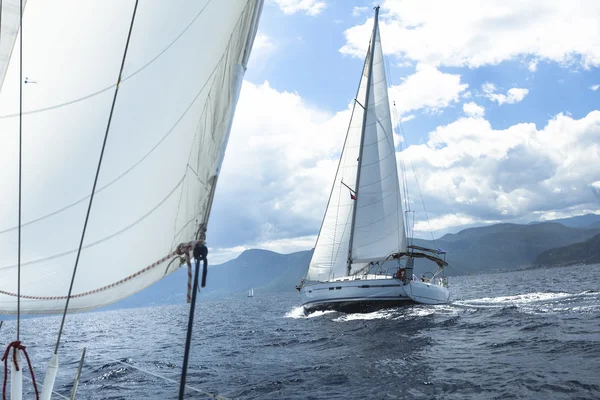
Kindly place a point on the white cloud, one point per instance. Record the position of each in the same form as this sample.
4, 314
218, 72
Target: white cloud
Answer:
310, 7
595, 186
469, 169
278, 169
283, 154
472, 109
446, 221
407, 118
513, 95
262, 42
282, 246
532, 66
262, 49
593, 88
357, 11
569, 212
455, 33
427, 88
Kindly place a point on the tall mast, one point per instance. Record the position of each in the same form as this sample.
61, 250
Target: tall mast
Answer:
362, 133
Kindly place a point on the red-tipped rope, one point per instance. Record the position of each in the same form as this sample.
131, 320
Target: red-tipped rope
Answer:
16, 346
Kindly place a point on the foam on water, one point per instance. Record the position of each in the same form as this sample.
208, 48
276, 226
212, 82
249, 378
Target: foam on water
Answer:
298, 312
365, 316
520, 299
513, 337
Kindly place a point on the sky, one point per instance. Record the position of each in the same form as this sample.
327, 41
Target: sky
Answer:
499, 103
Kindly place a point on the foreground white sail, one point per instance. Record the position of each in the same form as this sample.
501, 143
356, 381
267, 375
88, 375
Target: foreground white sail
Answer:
136, 96
170, 126
363, 229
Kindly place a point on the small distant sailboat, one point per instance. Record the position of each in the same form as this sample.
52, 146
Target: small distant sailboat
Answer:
363, 230
251, 292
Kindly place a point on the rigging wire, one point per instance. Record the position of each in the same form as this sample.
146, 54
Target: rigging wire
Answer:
112, 108
20, 165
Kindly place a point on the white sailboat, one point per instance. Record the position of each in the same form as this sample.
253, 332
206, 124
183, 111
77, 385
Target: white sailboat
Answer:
356, 264
109, 162
251, 292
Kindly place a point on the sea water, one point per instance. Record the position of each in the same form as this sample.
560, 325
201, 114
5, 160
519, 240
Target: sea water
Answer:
529, 334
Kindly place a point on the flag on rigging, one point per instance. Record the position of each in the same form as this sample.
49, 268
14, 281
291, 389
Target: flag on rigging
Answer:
352, 192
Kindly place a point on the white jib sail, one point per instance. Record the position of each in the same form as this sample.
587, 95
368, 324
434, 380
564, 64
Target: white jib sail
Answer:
170, 126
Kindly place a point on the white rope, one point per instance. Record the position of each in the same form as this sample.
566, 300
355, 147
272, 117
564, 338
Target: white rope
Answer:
56, 393
212, 395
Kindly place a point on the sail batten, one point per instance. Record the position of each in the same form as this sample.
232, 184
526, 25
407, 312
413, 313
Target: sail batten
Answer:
157, 187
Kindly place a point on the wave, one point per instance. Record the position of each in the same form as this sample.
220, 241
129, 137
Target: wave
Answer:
298, 312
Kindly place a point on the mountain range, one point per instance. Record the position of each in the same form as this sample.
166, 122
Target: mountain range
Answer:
483, 249
587, 252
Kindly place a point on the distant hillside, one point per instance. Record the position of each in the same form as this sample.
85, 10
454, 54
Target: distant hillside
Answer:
263, 270
595, 225
506, 246
587, 252
474, 250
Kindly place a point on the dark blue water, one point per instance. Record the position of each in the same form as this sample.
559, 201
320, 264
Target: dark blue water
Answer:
518, 335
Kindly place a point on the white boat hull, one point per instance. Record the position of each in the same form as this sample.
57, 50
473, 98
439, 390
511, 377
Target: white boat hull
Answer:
363, 295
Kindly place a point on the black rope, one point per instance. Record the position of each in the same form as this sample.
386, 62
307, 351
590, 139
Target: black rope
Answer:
200, 253
20, 165
87, 216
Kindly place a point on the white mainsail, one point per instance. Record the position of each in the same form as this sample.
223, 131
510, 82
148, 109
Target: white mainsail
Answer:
379, 222
173, 113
